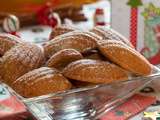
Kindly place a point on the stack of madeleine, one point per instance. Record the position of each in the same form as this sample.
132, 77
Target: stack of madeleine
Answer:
71, 59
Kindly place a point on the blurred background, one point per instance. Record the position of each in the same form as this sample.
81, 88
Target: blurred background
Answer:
36, 17
75, 10
79, 13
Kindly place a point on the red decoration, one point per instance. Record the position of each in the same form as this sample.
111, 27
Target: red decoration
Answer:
14, 33
134, 20
99, 17
133, 26
45, 17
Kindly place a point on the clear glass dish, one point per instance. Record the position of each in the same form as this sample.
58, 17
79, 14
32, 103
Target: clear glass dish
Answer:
88, 103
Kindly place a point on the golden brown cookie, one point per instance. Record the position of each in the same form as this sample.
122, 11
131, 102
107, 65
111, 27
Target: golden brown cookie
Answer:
125, 56
75, 40
99, 32
62, 58
21, 59
94, 71
7, 41
41, 81
108, 33
59, 30
97, 37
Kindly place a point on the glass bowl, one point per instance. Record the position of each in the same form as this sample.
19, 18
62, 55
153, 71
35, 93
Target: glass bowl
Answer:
88, 103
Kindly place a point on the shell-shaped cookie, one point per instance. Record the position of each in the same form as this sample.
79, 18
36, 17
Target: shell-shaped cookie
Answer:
41, 81
7, 41
94, 71
108, 33
125, 56
59, 30
62, 58
79, 41
21, 59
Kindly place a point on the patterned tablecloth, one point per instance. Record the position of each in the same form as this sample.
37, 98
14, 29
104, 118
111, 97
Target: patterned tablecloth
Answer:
151, 110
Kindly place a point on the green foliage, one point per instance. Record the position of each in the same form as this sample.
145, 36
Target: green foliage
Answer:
134, 3
151, 11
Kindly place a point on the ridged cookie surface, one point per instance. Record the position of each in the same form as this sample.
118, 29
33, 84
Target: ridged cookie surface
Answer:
108, 33
7, 41
40, 82
94, 71
62, 58
21, 59
125, 56
75, 40
59, 30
